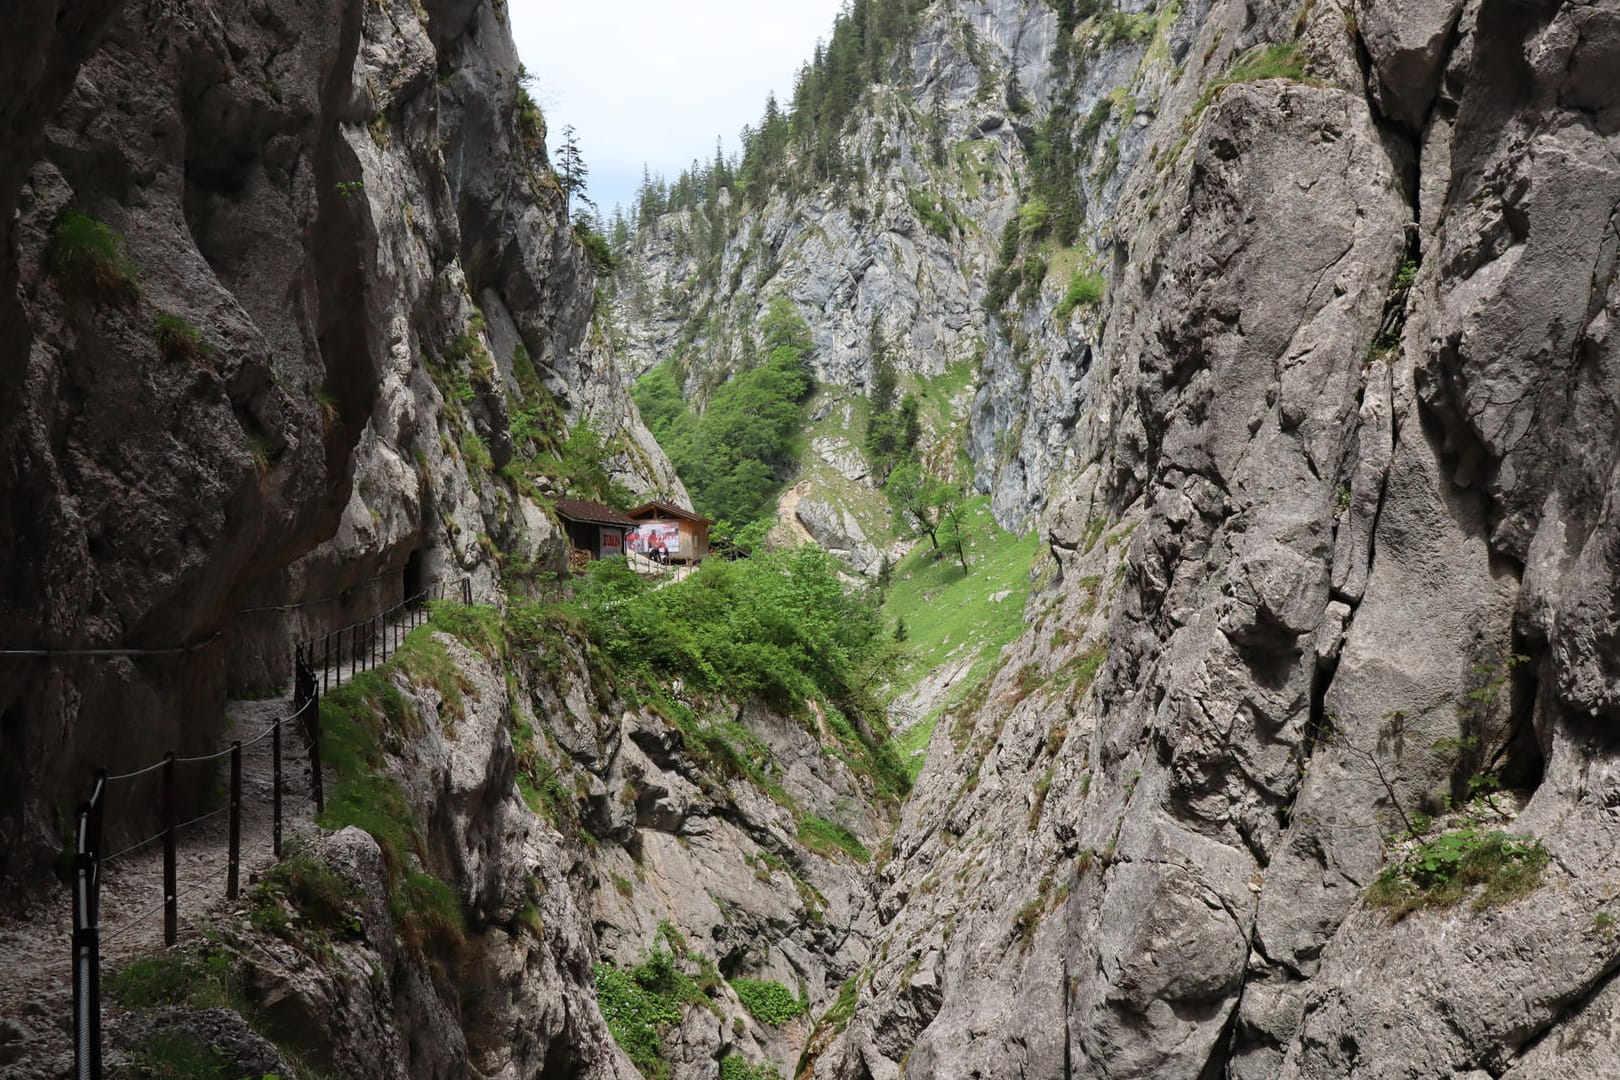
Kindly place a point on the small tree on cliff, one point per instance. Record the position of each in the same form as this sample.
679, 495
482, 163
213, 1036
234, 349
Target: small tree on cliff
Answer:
921, 503
572, 171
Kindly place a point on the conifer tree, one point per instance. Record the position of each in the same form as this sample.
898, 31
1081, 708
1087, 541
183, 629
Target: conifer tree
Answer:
571, 169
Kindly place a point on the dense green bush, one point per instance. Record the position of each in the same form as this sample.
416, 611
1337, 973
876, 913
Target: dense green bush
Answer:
734, 455
780, 626
1442, 872
640, 1003
736, 1067
768, 1002
1086, 288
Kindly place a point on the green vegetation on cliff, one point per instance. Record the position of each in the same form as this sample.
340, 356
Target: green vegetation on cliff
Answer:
734, 455
780, 626
954, 619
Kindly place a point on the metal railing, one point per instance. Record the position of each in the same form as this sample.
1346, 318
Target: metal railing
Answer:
359, 643
89, 861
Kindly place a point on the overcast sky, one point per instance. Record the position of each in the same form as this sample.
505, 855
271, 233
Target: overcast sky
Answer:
655, 81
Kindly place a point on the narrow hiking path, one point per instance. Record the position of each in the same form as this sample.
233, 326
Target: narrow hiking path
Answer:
36, 978
35, 947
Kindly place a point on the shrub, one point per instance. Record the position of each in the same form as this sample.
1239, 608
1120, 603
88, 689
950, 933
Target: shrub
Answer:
827, 838
1033, 275
736, 1067
428, 913
87, 256
734, 455
641, 1003
179, 340
1034, 217
769, 1002
1086, 288
598, 252
929, 214
1442, 872
780, 626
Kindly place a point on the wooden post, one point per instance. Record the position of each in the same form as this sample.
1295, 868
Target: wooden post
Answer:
275, 789
234, 866
171, 892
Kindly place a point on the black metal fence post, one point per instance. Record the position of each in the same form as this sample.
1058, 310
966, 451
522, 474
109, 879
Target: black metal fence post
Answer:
171, 892
315, 754
307, 708
466, 591
234, 866
87, 938
275, 788
326, 663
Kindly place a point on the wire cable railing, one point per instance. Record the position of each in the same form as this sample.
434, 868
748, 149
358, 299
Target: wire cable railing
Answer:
359, 644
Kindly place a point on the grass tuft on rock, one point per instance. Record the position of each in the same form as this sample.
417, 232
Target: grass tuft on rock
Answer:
179, 340
736, 1067
1494, 867
171, 1054
828, 838
85, 255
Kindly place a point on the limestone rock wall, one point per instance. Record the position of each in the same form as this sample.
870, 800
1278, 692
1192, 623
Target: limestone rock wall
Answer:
1336, 542
348, 229
859, 253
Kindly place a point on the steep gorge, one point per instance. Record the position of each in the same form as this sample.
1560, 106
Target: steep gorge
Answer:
1295, 468
1314, 413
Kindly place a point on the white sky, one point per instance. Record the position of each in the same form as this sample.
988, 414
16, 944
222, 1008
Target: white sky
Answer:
655, 81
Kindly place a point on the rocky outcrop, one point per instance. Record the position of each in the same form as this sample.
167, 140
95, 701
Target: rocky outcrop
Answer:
265, 386
1315, 549
836, 529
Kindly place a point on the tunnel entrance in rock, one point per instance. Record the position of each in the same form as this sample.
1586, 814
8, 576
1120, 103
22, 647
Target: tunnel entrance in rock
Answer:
413, 574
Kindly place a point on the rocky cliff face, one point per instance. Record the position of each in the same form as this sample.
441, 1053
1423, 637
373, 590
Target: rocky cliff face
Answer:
1305, 764
1337, 545
907, 244
279, 277
522, 857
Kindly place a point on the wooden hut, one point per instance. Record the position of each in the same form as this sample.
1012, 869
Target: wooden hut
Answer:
683, 534
597, 530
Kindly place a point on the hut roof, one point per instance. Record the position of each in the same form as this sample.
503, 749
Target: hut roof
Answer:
659, 508
592, 513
